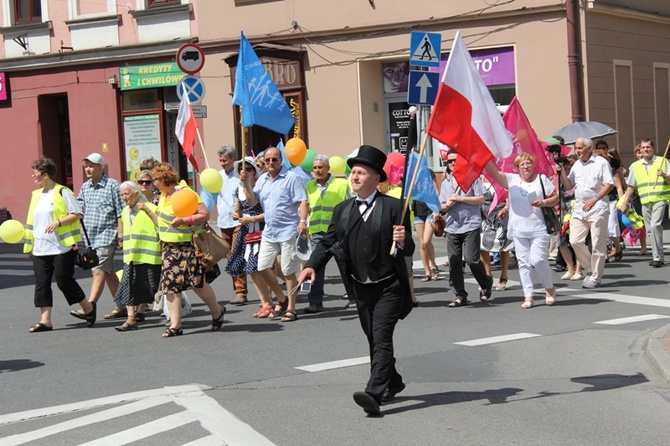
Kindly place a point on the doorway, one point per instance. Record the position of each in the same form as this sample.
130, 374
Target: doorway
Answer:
54, 124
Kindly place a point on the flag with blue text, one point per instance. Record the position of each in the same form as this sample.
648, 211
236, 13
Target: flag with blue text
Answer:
262, 103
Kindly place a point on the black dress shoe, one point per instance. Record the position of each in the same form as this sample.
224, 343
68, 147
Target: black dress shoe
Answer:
391, 392
127, 327
656, 264
367, 402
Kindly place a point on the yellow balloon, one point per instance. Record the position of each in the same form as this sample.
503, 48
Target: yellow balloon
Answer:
184, 202
119, 274
211, 180
12, 231
337, 165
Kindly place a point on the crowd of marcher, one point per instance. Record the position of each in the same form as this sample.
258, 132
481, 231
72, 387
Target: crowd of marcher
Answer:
269, 216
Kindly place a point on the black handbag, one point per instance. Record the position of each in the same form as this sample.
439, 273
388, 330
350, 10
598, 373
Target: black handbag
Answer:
86, 258
550, 218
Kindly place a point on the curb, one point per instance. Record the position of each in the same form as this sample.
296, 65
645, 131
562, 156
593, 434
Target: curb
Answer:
656, 353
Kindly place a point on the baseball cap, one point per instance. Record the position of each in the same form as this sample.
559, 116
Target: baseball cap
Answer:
303, 248
95, 158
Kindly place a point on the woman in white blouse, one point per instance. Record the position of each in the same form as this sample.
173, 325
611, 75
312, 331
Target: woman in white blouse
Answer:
528, 193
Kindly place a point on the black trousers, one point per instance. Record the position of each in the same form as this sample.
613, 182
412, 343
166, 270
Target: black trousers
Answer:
379, 307
63, 267
466, 246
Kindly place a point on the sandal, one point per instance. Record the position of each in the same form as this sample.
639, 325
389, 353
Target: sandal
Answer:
551, 299
290, 316
528, 303
90, 317
435, 274
263, 312
218, 322
458, 302
426, 278
170, 332
502, 284
278, 309
116, 313
618, 255
39, 327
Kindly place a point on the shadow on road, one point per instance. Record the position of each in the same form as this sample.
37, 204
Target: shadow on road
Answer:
14, 365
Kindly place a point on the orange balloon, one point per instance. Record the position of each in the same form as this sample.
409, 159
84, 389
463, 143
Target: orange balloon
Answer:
184, 202
295, 150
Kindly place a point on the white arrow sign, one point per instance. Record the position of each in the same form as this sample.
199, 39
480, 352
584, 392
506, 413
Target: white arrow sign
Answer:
424, 84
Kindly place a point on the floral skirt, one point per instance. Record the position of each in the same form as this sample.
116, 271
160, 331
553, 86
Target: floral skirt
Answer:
181, 269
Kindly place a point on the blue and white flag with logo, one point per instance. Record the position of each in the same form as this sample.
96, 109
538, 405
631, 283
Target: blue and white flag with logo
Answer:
262, 103
424, 187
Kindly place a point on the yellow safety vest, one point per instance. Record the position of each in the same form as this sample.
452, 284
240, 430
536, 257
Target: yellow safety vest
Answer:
650, 187
180, 234
68, 235
140, 239
321, 207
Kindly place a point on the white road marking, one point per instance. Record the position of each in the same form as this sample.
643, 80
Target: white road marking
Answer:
496, 339
16, 272
223, 426
335, 364
25, 262
632, 319
144, 431
204, 441
624, 299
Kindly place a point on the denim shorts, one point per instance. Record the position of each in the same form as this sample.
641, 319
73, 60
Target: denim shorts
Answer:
428, 219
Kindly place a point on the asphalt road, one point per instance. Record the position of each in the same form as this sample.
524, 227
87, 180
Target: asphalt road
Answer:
488, 373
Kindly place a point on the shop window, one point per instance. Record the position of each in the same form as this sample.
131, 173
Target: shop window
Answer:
27, 11
157, 3
140, 100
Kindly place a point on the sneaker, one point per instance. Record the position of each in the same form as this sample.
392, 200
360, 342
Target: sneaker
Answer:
351, 305
590, 284
313, 309
567, 276
577, 277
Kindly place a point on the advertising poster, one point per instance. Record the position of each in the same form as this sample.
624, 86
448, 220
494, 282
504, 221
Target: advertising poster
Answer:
142, 141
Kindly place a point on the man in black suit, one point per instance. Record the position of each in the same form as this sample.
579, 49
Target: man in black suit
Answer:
362, 232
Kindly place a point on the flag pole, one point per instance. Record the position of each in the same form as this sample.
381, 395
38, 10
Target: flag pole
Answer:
197, 131
659, 166
411, 185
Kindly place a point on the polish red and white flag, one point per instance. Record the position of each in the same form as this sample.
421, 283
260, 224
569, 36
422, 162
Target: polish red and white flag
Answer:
466, 119
185, 129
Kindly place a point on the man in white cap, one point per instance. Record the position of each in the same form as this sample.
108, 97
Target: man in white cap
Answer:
100, 201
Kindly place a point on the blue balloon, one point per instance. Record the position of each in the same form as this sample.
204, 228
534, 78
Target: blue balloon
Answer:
626, 222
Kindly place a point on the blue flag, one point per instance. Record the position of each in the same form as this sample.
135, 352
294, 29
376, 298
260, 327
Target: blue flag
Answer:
262, 103
284, 161
424, 187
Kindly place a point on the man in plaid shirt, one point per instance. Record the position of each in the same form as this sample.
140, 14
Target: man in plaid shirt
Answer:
100, 200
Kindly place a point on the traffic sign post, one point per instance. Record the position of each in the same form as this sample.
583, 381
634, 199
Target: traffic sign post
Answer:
425, 49
422, 87
190, 58
194, 87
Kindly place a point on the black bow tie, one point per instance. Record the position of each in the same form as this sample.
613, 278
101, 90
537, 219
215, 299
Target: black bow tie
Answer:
360, 202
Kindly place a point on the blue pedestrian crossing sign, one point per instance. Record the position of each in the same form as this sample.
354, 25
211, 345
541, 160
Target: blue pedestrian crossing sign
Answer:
424, 49
423, 86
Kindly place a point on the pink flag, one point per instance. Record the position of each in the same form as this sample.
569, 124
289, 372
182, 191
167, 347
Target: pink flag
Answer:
524, 139
186, 128
397, 172
465, 118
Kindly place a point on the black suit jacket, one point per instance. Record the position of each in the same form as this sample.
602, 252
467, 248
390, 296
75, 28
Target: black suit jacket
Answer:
385, 214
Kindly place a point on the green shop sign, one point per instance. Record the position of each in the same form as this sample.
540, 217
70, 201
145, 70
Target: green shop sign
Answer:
150, 76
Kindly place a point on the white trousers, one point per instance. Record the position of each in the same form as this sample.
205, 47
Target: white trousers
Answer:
595, 259
532, 252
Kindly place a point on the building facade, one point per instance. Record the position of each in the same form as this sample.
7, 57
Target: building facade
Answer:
343, 68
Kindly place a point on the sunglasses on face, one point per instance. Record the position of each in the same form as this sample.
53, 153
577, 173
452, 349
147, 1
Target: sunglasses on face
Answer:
248, 169
451, 161
144, 182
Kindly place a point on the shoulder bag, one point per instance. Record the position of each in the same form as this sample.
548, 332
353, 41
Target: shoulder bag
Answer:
209, 246
86, 258
549, 214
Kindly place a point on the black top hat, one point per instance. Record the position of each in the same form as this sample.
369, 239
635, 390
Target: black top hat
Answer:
371, 157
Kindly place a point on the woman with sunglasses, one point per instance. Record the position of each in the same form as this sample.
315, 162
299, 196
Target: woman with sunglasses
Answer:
528, 193
181, 268
146, 183
244, 252
52, 230
141, 255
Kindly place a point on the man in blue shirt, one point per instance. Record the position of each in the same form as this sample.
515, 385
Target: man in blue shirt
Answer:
284, 202
100, 201
226, 205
